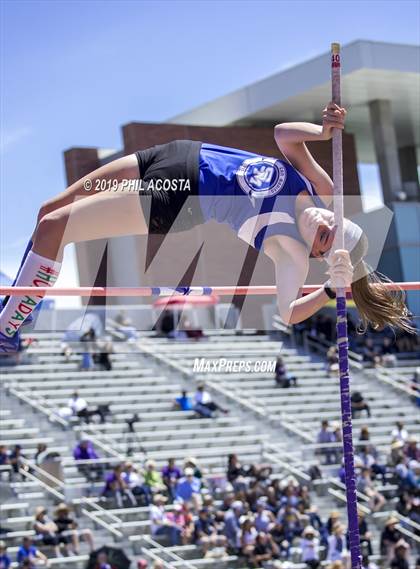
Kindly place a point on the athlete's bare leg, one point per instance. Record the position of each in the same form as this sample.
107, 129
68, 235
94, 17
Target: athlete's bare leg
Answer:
109, 214
125, 168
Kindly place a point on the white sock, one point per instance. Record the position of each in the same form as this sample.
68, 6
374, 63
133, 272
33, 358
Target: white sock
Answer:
35, 271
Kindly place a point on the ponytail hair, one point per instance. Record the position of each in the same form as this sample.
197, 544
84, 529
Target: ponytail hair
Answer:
377, 305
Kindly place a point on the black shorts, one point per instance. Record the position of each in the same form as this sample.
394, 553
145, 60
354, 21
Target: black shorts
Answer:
170, 175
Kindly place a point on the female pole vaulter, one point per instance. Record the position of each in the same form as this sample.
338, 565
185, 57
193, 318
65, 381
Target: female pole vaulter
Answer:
280, 207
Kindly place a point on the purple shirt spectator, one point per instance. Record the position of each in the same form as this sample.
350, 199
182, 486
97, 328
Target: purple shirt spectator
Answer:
171, 472
84, 451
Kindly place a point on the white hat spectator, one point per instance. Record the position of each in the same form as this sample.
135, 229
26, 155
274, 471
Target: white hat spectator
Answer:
414, 465
191, 460
309, 530
159, 498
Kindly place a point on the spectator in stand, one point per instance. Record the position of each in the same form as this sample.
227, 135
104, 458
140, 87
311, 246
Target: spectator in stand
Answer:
277, 533
333, 519
89, 338
101, 358
188, 488
290, 490
248, 537
304, 498
358, 404
122, 319
397, 453
365, 534
332, 359
67, 529
5, 560
17, 460
325, 436
322, 328
204, 404
264, 518
125, 326
390, 536
411, 450
399, 433
309, 545
205, 532
66, 351
161, 525
236, 473
153, 478
368, 460
116, 488
182, 518
41, 453
408, 342
386, 353
369, 352
227, 500
191, 462
208, 502
135, 483
183, 403
170, 476
415, 386
77, 404
315, 519
85, 451
337, 547
400, 559
28, 551
407, 474
47, 531
413, 512
404, 503
337, 434
265, 550
364, 433
192, 333
291, 523
314, 471
166, 323
282, 377
80, 408
232, 528
4, 456
366, 485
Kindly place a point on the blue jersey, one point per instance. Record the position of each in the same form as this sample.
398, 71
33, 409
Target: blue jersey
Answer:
255, 195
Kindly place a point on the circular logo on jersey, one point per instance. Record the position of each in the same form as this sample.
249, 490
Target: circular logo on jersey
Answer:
261, 177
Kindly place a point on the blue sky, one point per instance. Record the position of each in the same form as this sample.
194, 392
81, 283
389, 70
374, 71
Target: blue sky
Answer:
73, 71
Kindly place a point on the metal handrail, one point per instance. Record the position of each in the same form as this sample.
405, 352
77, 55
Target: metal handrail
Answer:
47, 488
176, 558
102, 523
39, 406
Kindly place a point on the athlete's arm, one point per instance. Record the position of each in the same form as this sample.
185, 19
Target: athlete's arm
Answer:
291, 138
291, 269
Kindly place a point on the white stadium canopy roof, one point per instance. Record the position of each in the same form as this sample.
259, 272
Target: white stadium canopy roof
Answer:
370, 70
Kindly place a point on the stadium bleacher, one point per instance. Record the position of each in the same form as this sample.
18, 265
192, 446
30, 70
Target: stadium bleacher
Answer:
274, 429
